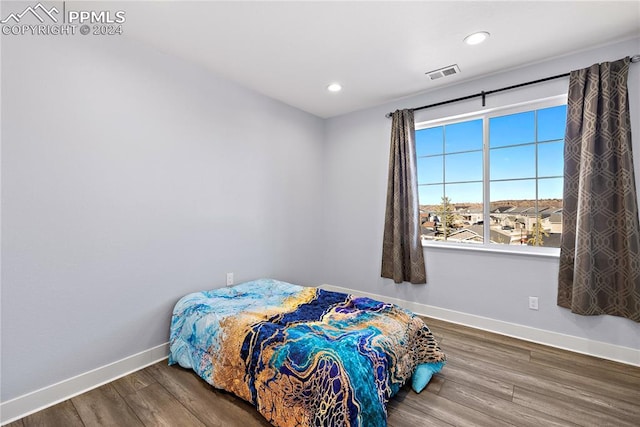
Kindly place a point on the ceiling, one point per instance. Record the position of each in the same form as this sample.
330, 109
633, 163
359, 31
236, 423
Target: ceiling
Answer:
378, 51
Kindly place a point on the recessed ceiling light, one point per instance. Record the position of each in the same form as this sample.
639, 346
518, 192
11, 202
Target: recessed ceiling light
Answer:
476, 38
334, 87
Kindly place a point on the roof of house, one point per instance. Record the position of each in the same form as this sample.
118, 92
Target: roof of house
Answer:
521, 209
503, 209
465, 235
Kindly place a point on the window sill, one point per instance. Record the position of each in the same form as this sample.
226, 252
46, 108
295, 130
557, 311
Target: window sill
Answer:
513, 250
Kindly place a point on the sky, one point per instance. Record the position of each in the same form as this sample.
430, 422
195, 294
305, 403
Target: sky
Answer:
453, 154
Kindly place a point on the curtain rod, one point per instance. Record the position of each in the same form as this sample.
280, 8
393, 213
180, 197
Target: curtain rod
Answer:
483, 94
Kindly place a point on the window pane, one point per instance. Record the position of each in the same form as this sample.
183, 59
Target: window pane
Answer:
547, 229
463, 136
443, 220
551, 123
512, 129
551, 159
465, 194
429, 141
512, 203
430, 196
550, 188
511, 193
463, 167
514, 162
430, 170
467, 212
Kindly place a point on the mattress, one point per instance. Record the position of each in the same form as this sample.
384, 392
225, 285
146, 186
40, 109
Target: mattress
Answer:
303, 356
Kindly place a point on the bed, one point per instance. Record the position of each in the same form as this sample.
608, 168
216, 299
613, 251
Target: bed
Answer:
303, 356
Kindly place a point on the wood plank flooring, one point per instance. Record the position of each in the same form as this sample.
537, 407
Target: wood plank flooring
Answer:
489, 380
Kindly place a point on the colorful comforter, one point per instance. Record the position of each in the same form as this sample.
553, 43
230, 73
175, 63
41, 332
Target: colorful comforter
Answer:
303, 356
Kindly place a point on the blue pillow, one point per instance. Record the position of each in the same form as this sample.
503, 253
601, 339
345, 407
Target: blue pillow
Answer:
423, 374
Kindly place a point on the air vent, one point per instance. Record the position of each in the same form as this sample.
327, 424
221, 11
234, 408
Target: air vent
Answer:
443, 72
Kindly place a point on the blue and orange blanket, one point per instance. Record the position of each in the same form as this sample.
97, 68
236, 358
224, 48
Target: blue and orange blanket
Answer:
303, 356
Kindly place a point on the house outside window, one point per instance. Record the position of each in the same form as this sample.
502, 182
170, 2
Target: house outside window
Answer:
493, 178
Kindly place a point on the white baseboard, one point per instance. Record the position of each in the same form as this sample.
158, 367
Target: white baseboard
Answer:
21, 406
600, 349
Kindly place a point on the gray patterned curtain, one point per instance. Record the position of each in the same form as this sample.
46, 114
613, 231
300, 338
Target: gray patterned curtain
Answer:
402, 257
600, 249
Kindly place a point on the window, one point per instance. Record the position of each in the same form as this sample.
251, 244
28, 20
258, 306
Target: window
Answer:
493, 178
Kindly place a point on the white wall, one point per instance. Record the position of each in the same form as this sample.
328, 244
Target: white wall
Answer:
130, 178
490, 285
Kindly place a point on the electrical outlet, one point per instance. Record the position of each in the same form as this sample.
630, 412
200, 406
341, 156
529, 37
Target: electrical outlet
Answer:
229, 279
533, 303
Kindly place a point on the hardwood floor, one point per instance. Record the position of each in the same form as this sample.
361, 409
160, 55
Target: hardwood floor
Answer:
489, 380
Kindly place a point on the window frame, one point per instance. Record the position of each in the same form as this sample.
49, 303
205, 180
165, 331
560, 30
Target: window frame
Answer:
486, 115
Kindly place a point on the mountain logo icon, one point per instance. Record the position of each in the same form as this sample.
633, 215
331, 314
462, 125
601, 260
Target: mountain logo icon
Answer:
38, 11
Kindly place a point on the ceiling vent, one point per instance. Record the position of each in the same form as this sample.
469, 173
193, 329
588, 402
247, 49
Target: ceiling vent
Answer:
443, 72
